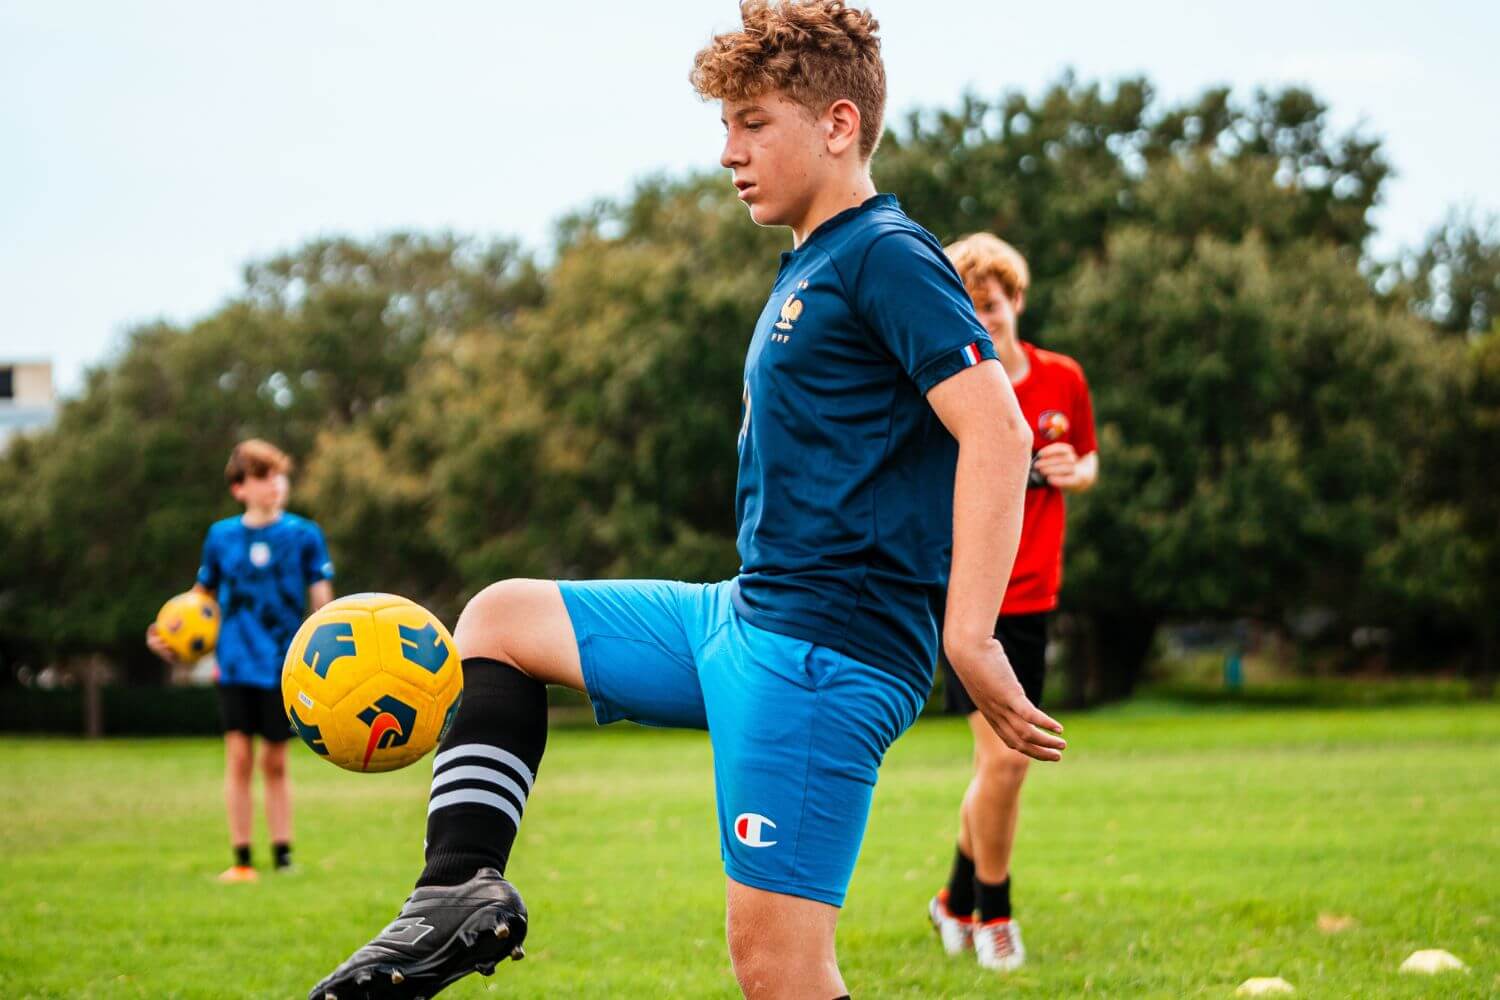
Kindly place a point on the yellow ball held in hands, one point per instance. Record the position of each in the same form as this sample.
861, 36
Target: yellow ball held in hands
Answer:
189, 625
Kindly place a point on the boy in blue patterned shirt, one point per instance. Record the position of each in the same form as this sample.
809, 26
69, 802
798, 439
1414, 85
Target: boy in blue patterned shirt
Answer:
267, 569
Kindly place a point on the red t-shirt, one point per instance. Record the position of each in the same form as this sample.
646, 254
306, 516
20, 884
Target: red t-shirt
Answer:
1054, 396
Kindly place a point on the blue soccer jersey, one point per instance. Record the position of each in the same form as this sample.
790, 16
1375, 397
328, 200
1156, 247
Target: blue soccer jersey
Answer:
260, 576
845, 492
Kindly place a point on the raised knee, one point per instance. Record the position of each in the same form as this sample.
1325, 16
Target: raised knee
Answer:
489, 617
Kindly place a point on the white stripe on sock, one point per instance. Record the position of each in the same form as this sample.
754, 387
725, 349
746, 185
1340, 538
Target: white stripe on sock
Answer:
485, 774
478, 797
489, 753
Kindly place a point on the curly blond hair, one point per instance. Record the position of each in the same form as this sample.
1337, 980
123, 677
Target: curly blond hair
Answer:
815, 51
985, 255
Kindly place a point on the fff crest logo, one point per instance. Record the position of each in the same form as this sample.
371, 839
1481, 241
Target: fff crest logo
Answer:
791, 311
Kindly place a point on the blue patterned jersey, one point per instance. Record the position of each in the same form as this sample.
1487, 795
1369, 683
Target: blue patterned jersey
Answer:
260, 577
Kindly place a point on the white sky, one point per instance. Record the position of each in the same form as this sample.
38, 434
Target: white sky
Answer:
148, 150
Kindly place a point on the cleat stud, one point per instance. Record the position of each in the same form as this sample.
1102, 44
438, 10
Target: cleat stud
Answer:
396, 977
517, 953
488, 969
502, 930
330, 996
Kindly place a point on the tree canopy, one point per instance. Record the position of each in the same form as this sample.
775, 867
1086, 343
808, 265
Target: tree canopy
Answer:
1270, 400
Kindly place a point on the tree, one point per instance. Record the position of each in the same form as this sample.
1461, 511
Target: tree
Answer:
1439, 573
1453, 281
1056, 174
1254, 407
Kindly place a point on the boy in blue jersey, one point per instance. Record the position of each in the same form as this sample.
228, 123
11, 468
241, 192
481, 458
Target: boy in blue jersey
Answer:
267, 569
882, 471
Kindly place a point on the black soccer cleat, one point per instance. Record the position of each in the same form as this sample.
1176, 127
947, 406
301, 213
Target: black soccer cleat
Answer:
443, 933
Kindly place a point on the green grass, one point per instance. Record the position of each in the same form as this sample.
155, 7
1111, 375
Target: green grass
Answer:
1178, 851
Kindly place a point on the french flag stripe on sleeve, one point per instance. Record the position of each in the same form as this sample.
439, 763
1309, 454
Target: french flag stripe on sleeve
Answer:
971, 355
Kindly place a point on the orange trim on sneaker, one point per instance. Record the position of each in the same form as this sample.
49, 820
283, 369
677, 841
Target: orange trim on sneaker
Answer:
942, 898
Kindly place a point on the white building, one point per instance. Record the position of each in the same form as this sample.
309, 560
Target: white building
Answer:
27, 398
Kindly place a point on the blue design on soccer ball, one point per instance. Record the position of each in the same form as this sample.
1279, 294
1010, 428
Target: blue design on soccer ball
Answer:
424, 647
311, 735
330, 642
402, 718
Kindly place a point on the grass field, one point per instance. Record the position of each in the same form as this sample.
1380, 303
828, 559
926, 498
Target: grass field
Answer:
1176, 852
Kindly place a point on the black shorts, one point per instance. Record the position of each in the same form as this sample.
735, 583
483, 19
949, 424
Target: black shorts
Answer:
254, 711
1024, 639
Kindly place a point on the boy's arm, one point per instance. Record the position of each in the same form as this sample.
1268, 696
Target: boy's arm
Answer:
978, 407
1088, 471
317, 568
319, 594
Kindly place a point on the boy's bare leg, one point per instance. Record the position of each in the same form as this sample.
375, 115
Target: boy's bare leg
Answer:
782, 946
523, 623
278, 791
992, 805
988, 832
238, 770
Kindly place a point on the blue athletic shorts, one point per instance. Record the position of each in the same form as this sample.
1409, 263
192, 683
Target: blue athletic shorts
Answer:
798, 730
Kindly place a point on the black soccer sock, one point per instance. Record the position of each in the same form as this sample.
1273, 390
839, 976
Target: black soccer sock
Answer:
483, 772
282, 852
242, 855
994, 900
961, 885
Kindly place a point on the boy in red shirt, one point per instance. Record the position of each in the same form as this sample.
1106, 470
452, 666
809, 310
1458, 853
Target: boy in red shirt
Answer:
1054, 397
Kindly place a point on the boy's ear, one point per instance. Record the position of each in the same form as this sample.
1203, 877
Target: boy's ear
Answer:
237, 490
841, 126
1019, 302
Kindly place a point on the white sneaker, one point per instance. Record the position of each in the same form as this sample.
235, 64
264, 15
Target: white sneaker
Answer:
956, 933
997, 945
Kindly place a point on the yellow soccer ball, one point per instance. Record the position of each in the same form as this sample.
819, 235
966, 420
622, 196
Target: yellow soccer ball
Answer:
371, 682
189, 624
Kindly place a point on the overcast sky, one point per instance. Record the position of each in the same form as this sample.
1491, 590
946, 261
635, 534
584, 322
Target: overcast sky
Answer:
148, 150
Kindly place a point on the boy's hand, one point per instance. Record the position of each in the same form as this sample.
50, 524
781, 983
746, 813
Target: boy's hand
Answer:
991, 682
158, 645
1059, 463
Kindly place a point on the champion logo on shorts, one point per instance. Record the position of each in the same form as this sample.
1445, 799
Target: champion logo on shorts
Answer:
749, 829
